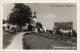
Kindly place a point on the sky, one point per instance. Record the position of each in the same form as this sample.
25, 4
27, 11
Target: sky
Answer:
48, 13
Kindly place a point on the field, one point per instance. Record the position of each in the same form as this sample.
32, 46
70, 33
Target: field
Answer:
40, 41
49, 41
7, 37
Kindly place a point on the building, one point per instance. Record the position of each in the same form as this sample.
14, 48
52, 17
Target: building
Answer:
33, 22
32, 26
34, 19
65, 28
9, 27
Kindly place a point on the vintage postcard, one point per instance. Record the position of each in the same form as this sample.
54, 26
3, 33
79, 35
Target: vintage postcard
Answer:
39, 26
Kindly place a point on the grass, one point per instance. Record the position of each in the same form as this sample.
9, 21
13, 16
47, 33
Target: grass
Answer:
7, 37
49, 41
43, 41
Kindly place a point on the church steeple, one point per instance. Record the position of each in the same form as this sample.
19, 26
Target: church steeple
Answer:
34, 16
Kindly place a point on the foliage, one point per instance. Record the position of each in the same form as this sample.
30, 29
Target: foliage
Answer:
4, 21
38, 24
21, 14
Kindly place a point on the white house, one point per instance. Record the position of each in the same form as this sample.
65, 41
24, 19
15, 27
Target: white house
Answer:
64, 27
66, 31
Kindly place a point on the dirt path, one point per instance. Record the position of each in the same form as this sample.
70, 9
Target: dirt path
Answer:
16, 43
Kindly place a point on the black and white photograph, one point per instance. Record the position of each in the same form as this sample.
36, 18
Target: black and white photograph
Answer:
39, 26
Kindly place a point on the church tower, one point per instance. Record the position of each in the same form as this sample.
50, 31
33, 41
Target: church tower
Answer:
34, 16
34, 19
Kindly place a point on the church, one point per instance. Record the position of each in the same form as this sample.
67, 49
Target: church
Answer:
31, 27
34, 19
33, 22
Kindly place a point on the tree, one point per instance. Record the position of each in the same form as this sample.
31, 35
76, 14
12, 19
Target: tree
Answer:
38, 24
21, 14
4, 21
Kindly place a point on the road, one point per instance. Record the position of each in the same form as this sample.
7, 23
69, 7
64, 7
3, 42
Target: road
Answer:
16, 43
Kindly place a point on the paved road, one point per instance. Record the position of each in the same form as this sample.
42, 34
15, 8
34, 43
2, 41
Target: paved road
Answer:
16, 43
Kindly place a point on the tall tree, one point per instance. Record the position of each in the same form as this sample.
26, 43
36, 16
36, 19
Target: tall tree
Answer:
21, 14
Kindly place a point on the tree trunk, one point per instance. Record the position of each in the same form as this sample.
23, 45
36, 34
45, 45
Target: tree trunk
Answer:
20, 27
